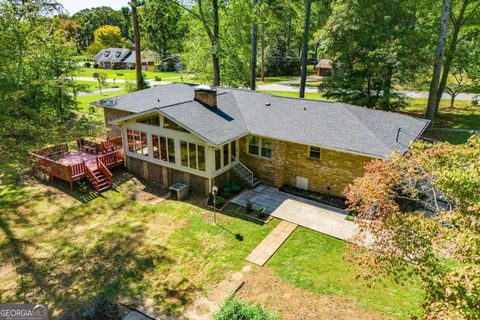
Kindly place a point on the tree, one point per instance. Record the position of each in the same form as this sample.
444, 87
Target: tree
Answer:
106, 37
437, 64
303, 77
208, 14
421, 214
374, 45
37, 94
465, 24
138, 52
162, 28
253, 59
92, 19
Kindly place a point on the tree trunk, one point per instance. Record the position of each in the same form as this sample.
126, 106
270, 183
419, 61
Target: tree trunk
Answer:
303, 76
262, 63
138, 53
215, 45
452, 100
437, 64
253, 60
450, 54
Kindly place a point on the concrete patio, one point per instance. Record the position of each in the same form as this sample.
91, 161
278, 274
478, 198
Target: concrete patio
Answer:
309, 214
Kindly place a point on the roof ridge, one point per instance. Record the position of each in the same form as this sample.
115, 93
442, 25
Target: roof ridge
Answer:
350, 111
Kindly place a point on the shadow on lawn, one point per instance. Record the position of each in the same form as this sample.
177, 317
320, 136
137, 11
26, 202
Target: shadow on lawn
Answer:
66, 269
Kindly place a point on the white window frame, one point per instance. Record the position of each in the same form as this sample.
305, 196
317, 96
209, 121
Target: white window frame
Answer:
260, 145
196, 155
309, 154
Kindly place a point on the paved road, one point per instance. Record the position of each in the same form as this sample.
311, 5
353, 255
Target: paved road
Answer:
410, 94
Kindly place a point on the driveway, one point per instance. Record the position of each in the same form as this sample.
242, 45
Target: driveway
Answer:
309, 214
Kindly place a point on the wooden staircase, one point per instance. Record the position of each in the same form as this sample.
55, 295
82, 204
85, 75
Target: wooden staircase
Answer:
100, 178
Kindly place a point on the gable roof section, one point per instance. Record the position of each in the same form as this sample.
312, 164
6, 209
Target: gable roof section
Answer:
320, 123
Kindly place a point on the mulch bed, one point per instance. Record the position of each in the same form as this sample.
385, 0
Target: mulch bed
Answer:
327, 199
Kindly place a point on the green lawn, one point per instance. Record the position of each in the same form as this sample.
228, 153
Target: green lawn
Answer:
130, 74
96, 113
308, 95
318, 263
60, 247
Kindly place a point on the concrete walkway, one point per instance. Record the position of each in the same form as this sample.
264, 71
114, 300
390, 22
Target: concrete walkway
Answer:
306, 213
267, 248
320, 219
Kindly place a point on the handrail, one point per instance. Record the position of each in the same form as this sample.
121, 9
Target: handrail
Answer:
103, 168
250, 173
91, 177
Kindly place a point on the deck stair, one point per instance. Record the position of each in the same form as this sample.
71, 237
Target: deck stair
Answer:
100, 177
245, 174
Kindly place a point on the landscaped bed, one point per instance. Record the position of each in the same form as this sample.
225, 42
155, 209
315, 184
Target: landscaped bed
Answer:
327, 199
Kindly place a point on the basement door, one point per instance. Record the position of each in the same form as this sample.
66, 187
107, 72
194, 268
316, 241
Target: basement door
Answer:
302, 183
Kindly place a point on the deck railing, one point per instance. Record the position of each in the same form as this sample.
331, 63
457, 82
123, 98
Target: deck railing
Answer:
91, 177
108, 175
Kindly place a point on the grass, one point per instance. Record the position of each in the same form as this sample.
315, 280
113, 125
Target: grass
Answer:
60, 247
129, 74
318, 263
95, 112
308, 95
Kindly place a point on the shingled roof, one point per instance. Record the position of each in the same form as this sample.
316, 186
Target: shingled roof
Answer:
312, 122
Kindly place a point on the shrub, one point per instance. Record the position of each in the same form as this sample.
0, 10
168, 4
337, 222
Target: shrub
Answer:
95, 65
219, 200
233, 309
261, 212
130, 86
157, 78
87, 64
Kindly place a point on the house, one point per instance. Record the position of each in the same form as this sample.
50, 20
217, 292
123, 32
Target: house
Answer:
171, 63
120, 58
204, 136
324, 68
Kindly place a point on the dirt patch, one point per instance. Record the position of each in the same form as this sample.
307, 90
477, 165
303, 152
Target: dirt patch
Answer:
262, 286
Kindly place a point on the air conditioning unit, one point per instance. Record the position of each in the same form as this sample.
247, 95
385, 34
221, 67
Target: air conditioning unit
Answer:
179, 191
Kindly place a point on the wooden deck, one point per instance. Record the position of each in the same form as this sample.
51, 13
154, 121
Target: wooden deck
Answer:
92, 160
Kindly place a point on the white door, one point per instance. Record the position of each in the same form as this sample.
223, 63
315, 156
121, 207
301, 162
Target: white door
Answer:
302, 183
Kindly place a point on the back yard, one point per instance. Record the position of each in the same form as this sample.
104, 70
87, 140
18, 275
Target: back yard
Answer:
62, 248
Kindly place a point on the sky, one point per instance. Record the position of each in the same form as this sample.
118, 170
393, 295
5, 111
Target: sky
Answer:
73, 6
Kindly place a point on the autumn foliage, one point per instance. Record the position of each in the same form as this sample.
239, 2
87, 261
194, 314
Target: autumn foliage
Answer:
421, 213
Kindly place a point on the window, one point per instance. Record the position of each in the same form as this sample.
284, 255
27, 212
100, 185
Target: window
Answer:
314, 153
137, 142
184, 153
171, 150
193, 156
233, 147
253, 145
218, 159
225, 155
266, 148
161, 149
260, 147
154, 121
201, 158
168, 124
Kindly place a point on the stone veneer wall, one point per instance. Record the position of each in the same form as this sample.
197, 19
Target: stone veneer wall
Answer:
166, 177
331, 174
110, 115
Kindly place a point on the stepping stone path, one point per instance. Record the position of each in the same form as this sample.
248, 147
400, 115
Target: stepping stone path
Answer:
204, 307
265, 250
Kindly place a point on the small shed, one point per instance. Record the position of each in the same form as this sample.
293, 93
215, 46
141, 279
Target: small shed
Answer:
171, 63
324, 68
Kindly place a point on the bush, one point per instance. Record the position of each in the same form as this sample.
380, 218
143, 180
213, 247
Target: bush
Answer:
233, 309
130, 86
95, 65
261, 212
219, 200
157, 78
87, 64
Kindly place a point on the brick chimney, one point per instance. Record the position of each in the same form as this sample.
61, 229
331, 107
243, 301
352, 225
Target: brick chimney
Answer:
206, 96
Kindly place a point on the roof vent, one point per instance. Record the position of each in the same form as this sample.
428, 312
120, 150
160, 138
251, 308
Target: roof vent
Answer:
206, 95
267, 104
